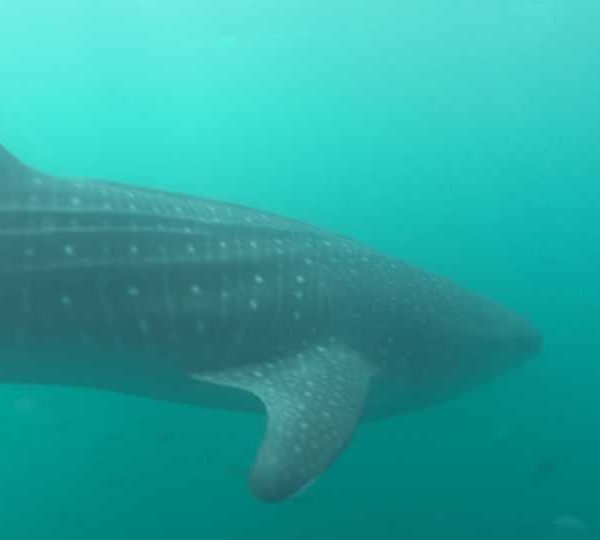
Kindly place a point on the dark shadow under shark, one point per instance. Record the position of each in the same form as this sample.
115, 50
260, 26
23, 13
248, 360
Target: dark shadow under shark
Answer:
196, 301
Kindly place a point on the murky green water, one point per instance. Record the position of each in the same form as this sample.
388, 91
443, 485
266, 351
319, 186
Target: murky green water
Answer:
461, 135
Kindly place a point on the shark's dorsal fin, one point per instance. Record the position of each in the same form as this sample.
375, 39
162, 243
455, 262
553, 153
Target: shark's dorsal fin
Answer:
12, 170
314, 400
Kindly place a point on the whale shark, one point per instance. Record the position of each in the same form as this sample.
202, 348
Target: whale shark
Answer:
190, 300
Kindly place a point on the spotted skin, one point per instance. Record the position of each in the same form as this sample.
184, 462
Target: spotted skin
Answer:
197, 301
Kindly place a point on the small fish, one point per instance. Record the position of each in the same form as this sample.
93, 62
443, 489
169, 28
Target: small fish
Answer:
165, 437
570, 524
545, 468
64, 425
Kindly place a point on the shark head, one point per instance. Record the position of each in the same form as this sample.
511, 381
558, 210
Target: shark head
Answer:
499, 338
467, 341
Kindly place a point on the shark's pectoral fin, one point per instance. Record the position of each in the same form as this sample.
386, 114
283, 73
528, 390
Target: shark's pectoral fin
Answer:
314, 400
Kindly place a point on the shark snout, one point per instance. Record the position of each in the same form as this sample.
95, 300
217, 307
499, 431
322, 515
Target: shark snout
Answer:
514, 336
530, 340
525, 338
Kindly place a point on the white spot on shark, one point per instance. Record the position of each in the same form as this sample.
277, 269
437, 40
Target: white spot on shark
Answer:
195, 290
133, 291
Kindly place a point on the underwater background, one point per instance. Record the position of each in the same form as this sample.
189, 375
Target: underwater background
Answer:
463, 136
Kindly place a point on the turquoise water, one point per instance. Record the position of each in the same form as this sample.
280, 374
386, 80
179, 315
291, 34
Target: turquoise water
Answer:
462, 136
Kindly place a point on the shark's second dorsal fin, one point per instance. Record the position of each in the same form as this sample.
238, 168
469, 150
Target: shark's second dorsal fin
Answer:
314, 400
12, 170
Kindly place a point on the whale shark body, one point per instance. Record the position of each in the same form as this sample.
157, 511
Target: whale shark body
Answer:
196, 301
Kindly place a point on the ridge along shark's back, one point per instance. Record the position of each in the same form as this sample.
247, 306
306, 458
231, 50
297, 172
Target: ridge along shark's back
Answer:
193, 300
